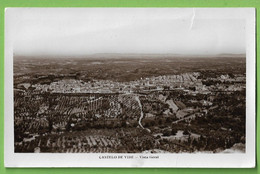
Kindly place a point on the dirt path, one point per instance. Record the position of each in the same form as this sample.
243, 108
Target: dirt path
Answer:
142, 113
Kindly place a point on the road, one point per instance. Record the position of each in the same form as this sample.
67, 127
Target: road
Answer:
142, 113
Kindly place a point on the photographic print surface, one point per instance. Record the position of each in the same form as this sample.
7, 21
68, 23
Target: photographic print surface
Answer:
130, 104
129, 81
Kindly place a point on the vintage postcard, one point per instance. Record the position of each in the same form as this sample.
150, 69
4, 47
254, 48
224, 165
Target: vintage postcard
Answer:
130, 87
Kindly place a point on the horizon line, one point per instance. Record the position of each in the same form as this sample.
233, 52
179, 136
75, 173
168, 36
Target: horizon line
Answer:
96, 55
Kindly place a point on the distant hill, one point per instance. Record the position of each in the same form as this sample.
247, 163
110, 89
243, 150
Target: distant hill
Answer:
132, 55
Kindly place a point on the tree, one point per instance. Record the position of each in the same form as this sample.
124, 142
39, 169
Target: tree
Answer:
147, 124
166, 133
195, 143
174, 131
160, 121
124, 123
168, 119
50, 124
152, 123
186, 132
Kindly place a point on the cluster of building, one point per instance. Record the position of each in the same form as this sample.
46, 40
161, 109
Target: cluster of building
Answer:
185, 81
107, 86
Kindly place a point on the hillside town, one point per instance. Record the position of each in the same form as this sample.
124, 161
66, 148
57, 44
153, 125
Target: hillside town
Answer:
68, 115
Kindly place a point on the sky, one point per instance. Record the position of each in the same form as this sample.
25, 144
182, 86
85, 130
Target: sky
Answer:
84, 31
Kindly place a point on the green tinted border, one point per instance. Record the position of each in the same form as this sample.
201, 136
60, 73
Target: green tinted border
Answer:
117, 3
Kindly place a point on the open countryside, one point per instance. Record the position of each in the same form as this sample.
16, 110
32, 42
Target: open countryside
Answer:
130, 104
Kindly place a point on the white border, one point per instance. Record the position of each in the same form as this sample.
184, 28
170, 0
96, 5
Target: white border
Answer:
246, 160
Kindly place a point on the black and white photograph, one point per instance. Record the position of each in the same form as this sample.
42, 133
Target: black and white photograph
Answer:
135, 85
